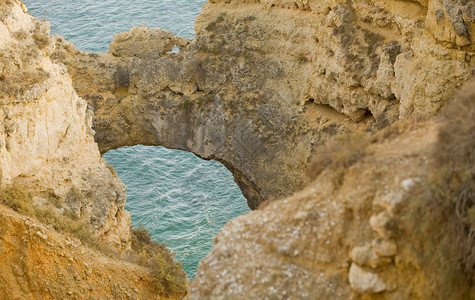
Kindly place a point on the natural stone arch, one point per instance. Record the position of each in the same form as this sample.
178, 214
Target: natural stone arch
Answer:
205, 128
252, 121
168, 101
254, 95
170, 122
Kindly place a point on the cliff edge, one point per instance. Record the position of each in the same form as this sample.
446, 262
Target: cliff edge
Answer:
64, 232
360, 91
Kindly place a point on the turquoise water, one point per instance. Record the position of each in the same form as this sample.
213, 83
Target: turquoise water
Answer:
91, 24
181, 199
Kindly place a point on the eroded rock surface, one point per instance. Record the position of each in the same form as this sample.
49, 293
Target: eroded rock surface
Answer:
51, 171
319, 243
39, 263
168, 101
263, 81
261, 86
46, 141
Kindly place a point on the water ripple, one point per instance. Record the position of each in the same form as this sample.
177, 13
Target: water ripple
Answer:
90, 24
181, 199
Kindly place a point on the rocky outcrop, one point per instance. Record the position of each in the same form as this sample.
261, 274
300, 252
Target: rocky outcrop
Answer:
46, 140
263, 81
39, 263
452, 22
262, 87
167, 102
348, 235
51, 171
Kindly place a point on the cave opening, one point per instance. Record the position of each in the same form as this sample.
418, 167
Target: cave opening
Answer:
180, 198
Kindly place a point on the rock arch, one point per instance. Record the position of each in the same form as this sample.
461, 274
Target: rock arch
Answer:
239, 91
176, 101
167, 101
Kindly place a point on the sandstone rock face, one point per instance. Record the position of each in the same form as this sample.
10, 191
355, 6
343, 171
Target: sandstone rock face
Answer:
46, 141
168, 102
350, 56
39, 263
51, 170
142, 42
261, 84
452, 21
263, 81
318, 244
352, 233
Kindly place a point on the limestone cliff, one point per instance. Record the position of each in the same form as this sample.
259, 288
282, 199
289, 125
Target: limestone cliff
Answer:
335, 239
263, 81
46, 141
389, 216
51, 171
263, 87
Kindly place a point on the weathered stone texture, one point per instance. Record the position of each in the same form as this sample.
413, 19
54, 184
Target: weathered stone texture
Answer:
259, 87
46, 141
320, 243
241, 91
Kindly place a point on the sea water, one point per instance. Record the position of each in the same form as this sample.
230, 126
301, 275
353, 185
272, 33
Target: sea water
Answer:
181, 199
